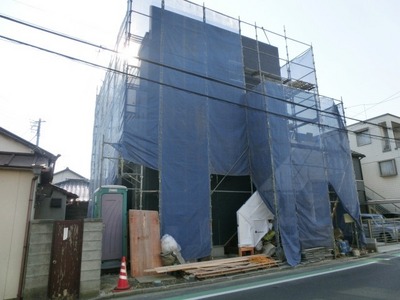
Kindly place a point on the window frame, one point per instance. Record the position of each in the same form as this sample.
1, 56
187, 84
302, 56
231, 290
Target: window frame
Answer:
386, 147
396, 133
56, 202
394, 168
363, 133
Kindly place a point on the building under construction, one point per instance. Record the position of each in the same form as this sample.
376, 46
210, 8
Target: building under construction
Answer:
199, 110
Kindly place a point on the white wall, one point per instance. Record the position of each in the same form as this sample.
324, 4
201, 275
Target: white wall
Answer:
14, 198
65, 175
389, 186
10, 145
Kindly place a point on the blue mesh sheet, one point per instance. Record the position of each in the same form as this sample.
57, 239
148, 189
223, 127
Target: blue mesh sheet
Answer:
293, 161
300, 69
309, 170
271, 164
187, 115
139, 142
183, 153
185, 126
185, 206
108, 124
338, 161
227, 118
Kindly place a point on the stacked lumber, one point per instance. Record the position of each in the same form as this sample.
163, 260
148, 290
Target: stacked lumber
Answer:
221, 267
316, 254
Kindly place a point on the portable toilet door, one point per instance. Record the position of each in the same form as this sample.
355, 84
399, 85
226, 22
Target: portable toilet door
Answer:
111, 207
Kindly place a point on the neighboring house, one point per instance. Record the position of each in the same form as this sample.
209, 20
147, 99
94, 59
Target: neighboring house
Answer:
23, 168
76, 184
73, 183
51, 202
378, 139
357, 157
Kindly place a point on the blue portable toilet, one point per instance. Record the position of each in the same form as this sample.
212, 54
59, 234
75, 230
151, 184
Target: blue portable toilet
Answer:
110, 204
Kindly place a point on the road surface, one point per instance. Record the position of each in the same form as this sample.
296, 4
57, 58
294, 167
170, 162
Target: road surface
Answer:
374, 277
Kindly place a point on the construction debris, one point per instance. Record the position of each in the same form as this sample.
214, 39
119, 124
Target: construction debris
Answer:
221, 267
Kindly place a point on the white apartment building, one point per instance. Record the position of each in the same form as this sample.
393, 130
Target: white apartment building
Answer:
378, 139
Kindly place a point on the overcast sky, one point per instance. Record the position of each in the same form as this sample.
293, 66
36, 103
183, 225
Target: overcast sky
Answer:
356, 50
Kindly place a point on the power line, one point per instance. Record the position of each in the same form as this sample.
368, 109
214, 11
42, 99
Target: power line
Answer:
56, 33
156, 63
390, 98
197, 93
142, 59
202, 94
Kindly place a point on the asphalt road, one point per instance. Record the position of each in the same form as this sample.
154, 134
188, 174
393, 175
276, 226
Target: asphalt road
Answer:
368, 278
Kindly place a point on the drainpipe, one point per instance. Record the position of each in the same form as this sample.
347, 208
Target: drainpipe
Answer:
36, 171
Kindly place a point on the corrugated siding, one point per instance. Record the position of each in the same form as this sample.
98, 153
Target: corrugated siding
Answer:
78, 187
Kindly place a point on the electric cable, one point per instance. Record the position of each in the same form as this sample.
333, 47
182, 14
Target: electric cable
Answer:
56, 33
183, 71
197, 93
390, 98
176, 69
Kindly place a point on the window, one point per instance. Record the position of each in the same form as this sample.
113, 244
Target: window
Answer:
388, 168
363, 137
385, 141
56, 202
396, 133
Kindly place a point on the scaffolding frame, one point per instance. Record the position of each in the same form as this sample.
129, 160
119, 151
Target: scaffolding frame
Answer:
301, 77
131, 72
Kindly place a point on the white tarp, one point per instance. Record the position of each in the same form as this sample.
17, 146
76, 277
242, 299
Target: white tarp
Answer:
253, 221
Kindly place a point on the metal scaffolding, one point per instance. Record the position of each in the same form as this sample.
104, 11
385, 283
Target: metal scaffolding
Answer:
199, 109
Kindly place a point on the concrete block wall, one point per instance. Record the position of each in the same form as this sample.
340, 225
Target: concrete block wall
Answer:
91, 258
38, 263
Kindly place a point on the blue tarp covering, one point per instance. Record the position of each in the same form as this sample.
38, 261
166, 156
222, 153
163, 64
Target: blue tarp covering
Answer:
180, 129
188, 115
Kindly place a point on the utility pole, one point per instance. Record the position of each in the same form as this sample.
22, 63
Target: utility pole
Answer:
37, 125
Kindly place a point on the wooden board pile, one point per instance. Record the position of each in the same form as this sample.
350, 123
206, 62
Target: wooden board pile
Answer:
221, 267
316, 254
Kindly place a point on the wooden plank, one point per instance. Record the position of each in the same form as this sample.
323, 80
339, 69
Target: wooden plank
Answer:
230, 267
144, 238
257, 262
210, 263
215, 263
217, 268
222, 266
227, 271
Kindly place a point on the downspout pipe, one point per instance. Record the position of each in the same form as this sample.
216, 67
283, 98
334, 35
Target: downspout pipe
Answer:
26, 237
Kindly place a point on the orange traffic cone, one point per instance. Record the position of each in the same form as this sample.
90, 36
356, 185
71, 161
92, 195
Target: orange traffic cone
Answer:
123, 283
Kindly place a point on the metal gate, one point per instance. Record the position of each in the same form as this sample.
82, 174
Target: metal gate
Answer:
66, 256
